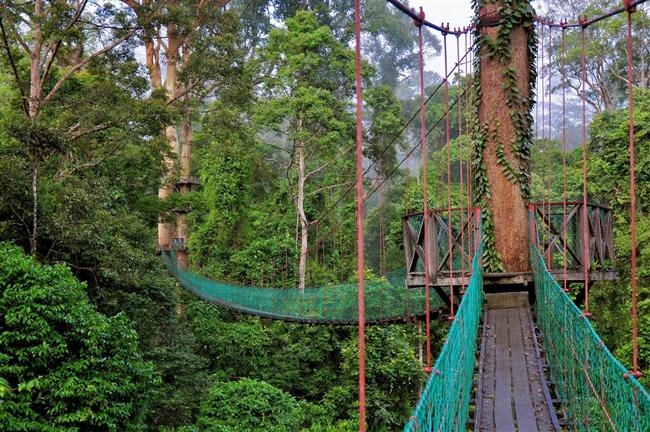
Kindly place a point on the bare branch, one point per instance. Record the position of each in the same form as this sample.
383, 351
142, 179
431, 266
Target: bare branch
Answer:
322, 167
79, 134
324, 188
22, 220
57, 44
19, 38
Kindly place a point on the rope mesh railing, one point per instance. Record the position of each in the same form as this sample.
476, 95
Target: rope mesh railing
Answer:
386, 300
596, 391
444, 403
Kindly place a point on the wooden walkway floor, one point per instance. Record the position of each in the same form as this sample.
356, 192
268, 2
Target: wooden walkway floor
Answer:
512, 393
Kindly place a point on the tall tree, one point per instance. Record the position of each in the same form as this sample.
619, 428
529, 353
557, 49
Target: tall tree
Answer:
192, 52
505, 53
57, 39
305, 96
381, 148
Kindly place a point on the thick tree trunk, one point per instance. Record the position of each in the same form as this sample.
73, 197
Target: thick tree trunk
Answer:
509, 210
186, 171
171, 133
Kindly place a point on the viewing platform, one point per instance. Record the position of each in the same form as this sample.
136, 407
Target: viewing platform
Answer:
547, 224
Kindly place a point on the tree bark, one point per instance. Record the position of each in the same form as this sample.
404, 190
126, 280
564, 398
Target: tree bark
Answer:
171, 82
33, 104
304, 224
509, 211
186, 171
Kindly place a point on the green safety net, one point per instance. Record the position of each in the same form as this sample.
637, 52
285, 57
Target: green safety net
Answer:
444, 403
596, 391
385, 301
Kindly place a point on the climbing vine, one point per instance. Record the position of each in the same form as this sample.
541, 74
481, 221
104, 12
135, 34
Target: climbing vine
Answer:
510, 15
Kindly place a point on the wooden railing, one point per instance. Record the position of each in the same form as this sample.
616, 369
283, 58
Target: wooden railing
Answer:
442, 264
559, 223
547, 222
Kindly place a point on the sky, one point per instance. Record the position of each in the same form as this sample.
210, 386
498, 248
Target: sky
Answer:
458, 13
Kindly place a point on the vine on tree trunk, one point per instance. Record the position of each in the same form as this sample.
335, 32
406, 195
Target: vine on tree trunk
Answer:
510, 15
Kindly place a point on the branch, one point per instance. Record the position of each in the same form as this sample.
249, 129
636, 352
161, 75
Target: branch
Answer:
80, 8
22, 220
317, 170
20, 40
23, 98
81, 64
86, 165
77, 135
324, 188
322, 167
54, 51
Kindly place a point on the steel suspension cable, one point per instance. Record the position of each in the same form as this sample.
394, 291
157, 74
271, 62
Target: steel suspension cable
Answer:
469, 149
550, 143
564, 186
586, 259
425, 204
460, 171
351, 187
633, 270
450, 244
375, 188
359, 184
415, 147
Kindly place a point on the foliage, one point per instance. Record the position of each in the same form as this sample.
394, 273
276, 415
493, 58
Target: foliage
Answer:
609, 182
248, 405
69, 365
391, 364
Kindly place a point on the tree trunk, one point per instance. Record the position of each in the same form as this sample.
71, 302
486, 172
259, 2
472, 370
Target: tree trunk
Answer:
171, 83
508, 206
33, 240
382, 230
304, 224
33, 105
186, 172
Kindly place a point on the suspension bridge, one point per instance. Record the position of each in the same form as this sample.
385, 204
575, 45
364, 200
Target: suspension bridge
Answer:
520, 355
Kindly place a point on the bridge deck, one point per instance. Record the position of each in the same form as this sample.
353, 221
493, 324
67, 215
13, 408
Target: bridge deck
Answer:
511, 394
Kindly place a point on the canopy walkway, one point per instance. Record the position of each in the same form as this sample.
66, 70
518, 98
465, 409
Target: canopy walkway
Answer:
507, 391
594, 391
499, 378
386, 301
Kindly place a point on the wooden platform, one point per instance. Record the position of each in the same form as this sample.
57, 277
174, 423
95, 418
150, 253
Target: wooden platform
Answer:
416, 279
511, 392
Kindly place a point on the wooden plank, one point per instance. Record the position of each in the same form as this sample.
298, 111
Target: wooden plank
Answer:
542, 401
524, 412
487, 377
503, 418
512, 395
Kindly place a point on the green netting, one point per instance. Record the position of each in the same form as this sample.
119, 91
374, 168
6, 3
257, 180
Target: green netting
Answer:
444, 403
388, 300
595, 389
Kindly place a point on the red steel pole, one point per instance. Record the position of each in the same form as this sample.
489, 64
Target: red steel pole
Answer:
360, 262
